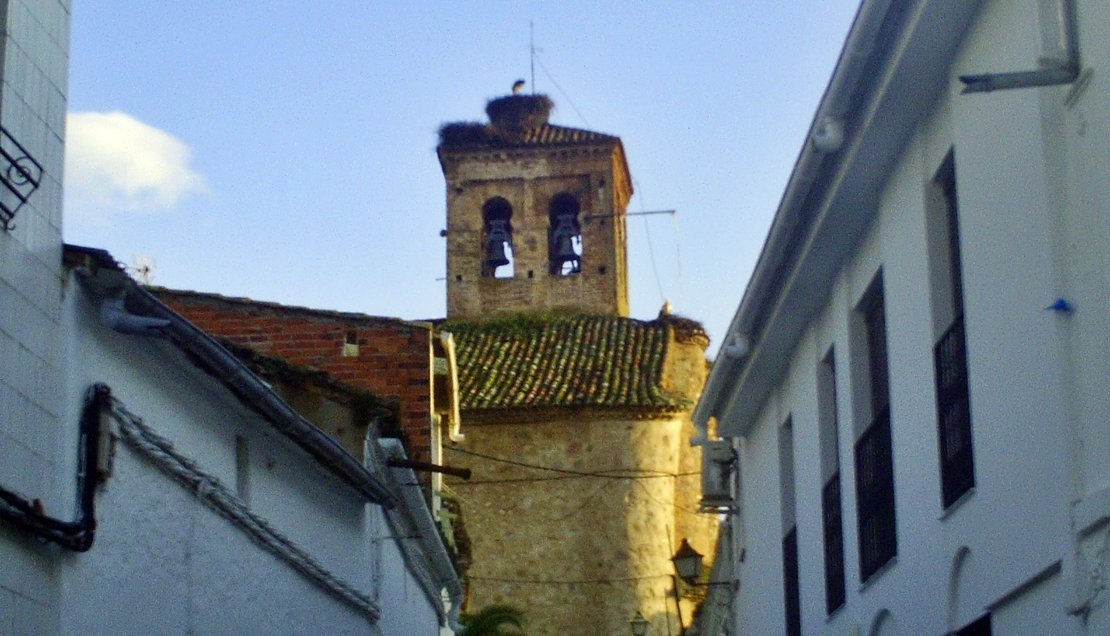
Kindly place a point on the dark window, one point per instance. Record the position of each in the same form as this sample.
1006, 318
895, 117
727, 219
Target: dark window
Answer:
875, 319
875, 495
831, 511
957, 463
834, 544
791, 589
497, 239
564, 237
981, 627
878, 542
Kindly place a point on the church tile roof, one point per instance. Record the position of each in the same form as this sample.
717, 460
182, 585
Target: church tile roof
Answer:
475, 136
574, 360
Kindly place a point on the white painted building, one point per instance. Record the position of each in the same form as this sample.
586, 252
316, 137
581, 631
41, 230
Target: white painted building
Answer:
34, 45
922, 432
219, 508
149, 482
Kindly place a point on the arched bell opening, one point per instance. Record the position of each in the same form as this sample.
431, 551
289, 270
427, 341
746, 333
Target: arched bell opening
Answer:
497, 239
564, 235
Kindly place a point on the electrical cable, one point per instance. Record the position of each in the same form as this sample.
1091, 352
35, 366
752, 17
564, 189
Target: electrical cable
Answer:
213, 494
573, 474
651, 248
561, 582
578, 473
678, 258
559, 88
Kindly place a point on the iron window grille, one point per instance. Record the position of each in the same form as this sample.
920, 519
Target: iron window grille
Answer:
20, 176
791, 588
832, 515
957, 464
878, 540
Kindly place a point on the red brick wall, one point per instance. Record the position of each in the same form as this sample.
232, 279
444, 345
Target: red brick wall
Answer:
394, 357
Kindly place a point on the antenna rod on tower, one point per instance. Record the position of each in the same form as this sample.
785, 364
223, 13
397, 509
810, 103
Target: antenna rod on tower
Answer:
532, 52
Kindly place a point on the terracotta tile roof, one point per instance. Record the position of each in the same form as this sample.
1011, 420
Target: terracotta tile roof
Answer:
464, 135
530, 362
548, 134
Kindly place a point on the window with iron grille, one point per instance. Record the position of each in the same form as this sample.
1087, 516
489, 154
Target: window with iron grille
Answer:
957, 464
792, 599
791, 589
831, 511
834, 544
878, 540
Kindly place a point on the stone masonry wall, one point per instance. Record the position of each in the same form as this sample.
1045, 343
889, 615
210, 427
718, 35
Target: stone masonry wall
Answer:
581, 553
528, 179
392, 357
587, 543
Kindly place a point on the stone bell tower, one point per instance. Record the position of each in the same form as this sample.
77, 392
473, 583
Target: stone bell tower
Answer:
535, 214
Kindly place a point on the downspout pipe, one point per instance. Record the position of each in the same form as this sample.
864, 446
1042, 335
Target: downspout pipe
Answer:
827, 135
77, 535
1053, 71
115, 287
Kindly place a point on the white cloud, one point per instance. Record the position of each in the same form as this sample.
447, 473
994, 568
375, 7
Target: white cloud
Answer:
115, 162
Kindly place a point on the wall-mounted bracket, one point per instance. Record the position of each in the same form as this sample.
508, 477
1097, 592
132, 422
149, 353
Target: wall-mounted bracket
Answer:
1052, 71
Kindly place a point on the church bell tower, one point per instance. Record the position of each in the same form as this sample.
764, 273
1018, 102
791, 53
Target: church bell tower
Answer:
535, 214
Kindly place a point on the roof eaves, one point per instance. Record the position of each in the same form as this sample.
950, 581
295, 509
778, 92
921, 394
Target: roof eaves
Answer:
869, 86
102, 275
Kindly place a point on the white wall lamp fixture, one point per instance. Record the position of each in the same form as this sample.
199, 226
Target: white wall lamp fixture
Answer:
829, 135
718, 459
737, 347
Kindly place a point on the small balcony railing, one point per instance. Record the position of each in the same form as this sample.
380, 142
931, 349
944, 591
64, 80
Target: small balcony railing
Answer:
878, 540
957, 464
20, 175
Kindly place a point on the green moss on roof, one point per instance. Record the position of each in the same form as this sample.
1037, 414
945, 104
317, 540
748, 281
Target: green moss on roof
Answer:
526, 361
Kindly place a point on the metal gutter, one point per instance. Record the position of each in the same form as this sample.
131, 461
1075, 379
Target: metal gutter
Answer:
896, 60
426, 531
148, 316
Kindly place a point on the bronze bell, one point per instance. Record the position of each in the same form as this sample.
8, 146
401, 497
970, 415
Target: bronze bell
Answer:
562, 240
495, 244
564, 249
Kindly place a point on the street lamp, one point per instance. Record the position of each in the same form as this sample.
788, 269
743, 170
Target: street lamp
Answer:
639, 624
687, 562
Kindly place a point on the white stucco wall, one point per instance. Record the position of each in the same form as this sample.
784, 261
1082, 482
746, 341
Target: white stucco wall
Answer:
32, 108
405, 607
1033, 187
163, 563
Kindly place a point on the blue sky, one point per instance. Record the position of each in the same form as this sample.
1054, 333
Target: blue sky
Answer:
288, 155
